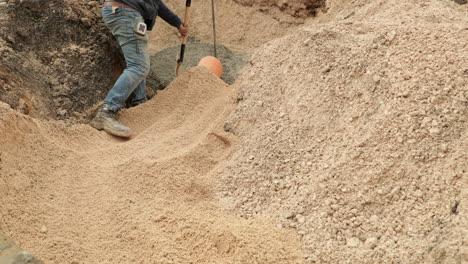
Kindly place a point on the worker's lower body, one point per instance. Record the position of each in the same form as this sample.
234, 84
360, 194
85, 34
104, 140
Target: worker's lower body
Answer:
131, 85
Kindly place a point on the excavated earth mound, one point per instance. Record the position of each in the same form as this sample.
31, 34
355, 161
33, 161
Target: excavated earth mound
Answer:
354, 132
71, 194
50, 51
298, 8
352, 135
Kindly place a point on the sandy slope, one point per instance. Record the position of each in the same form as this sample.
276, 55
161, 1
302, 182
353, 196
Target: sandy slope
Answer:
353, 131
71, 194
238, 27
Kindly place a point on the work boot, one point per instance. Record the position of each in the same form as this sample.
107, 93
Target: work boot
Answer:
108, 120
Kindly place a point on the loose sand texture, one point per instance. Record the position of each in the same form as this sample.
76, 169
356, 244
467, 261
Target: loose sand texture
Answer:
354, 133
297, 8
344, 139
71, 194
238, 27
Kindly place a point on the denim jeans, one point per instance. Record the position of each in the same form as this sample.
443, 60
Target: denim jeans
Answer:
131, 84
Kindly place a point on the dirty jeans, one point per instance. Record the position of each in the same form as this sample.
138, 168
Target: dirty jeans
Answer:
131, 83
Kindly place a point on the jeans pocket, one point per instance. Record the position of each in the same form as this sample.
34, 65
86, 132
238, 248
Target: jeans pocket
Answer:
110, 11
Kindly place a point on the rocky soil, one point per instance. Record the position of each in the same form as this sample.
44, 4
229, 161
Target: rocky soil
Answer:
344, 140
56, 57
301, 8
72, 194
354, 133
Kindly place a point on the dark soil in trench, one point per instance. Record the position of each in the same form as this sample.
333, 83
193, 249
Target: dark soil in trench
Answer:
56, 59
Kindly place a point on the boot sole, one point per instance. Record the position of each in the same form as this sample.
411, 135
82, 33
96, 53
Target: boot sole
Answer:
96, 125
100, 126
117, 133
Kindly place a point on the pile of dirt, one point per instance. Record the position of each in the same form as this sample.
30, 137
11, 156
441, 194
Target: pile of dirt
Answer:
298, 8
354, 132
163, 63
71, 194
49, 53
58, 60
351, 134
239, 27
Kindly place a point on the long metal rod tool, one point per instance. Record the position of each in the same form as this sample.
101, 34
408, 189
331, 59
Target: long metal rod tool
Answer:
184, 39
214, 26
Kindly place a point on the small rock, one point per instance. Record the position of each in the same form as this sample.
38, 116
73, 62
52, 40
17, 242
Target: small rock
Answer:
62, 112
418, 193
227, 127
353, 242
300, 218
240, 96
374, 218
23, 106
288, 215
86, 21
376, 78
444, 148
371, 243
426, 120
43, 229
434, 131
92, 4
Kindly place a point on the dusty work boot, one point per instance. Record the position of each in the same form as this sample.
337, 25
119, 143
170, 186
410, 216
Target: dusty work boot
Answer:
107, 120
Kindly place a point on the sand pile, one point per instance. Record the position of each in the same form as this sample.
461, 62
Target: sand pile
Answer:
73, 194
354, 132
298, 8
239, 27
163, 62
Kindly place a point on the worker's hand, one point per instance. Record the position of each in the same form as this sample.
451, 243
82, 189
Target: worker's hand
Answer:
183, 30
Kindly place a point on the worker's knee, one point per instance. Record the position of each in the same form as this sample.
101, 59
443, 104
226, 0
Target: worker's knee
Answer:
145, 66
145, 70
141, 70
